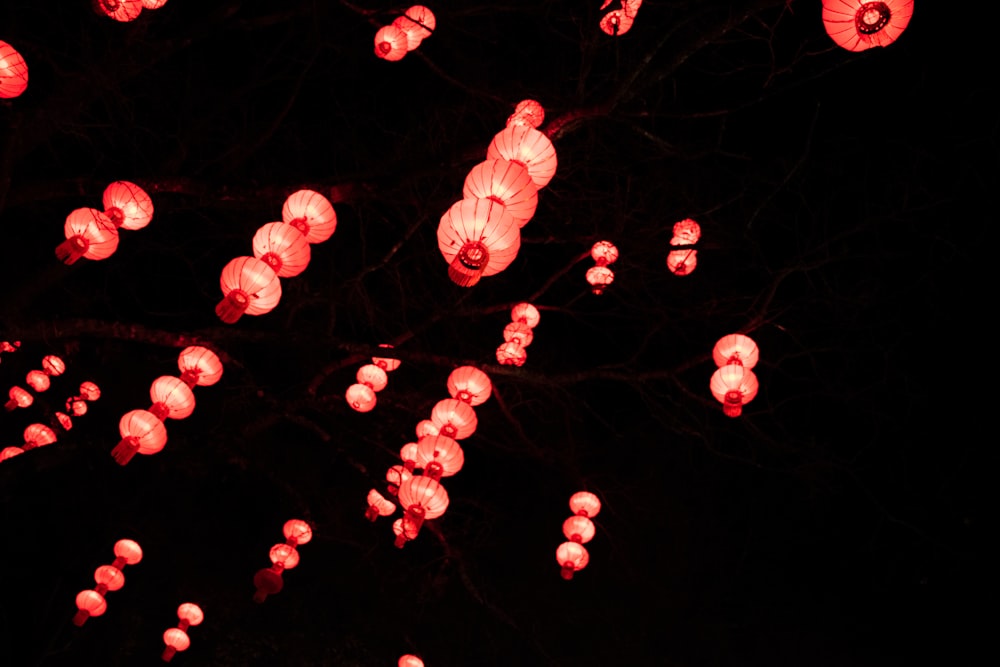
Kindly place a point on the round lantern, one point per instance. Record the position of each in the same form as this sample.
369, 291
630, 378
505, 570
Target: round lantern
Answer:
13, 72
599, 277
410, 661
90, 391
142, 432
38, 380
427, 427
297, 531
511, 354
378, 506
439, 456
525, 312
736, 349
53, 365
127, 552
682, 262
686, 232
405, 530
408, 454
477, 237
249, 286
507, 183
127, 205
424, 497
284, 556
172, 398
585, 503
283, 247
176, 640
733, 386
519, 333
396, 475
88, 603
199, 366
529, 147
120, 10
857, 25
572, 557
361, 397
311, 213
604, 253
527, 112
10, 452
454, 418
469, 385
373, 376
385, 363
190, 614
267, 581
76, 406
390, 43
19, 398
579, 529
423, 19
89, 233
38, 435
109, 577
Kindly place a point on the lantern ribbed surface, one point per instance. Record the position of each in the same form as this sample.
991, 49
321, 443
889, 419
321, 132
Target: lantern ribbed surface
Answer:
529, 147
857, 26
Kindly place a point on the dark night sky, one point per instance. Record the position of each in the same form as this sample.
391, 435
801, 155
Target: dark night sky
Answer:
842, 520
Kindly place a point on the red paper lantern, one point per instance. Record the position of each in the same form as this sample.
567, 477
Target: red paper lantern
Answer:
404, 530
529, 147
439, 456
199, 366
373, 376
572, 557
249, 286
53, 365
361, 397
857, 25
527, 113
90, 391
599, 277
109, 578
142, 432
38, 435
426, 427
410, 661
88, 603
390, 43
477, 237
454, 418
386, 363
519, 333
686, 232
604, 253
682, 262
408, 454
13, 72
176, 640
507, 183
297, 532
283, 247
311, 213
396, 475
525, 312
579, 529
153, 4
378, 506
89, 233
127, 205
619, 21
119, 10
10, 452
64, 419
585, 503
733, 386
735, 349
190, 614
424, 20
127, 552
19, 398
511, 354
469, 385
284, 556
38, 380
172, 398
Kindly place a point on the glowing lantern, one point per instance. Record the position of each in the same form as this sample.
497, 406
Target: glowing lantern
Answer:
53, 365
90, 234
422, 498
734, 386
361, 397
518, 332
120, 10
283, 557
525, 312
127, 552
199, 366
469, 385
572, 557
373, 376
857, 25
599, 277
386, 363
77, 406
90, 391
511, 354
529, 147
13, 72
19, 398
682, 262
38, 435
127, 205
154, 4
585, 503
619, 21
38, 380
410, 661
404, 530
424, 20
686, 232
297, 532
311, 213
172, 398
109, 578
249, 286
604, 253
408, 454
176, 639
426, 427
735, 349
89, 603
439, 456
64, 420
507, 183
378, 506
579, 529
527, 112
454, 418
283, 247
10, 452
390, 43
396, 475
477, 237
142, 432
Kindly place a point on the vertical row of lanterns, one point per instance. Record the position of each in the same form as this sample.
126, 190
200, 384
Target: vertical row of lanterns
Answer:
518, 335
618, 20
579, 529
13, 72
93, 234
92, 602
176, 638
734, 384
405, 34
480, 235
143, 431
371, 378
251, 285
600, 276
124, 10
284, 556
683, 260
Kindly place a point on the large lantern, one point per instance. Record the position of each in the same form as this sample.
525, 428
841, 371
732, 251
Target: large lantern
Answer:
199, 366
454, 418
470, 385
283, 247
127, 205
507, 183
172, 398
735, 349
249, 286
90, 234
361, 397
142, 432
311, 213
390, 43
439, 456
13, 72
421, 498
734, 386
579, 529
38, 435
529, 147
477, 237
857, 25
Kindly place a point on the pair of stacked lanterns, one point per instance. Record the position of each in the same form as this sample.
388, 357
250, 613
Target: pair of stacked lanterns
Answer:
13, 72
93, 234
284, 556
600, 276
683, 261
143, 431
251, 285
734, 384
394, 41
572, 556
480, 235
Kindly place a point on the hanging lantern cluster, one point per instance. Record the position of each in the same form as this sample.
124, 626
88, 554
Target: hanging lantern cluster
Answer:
38, 380
92, 602
579, 529
734, 384
124, 10
858, 25
480, 235
77, 405
93, 234
371, 378
518, 335
143, 431
619, 18
284, 556
403, 35
251, 285
13, 72
177, 638
600, 276
684, 259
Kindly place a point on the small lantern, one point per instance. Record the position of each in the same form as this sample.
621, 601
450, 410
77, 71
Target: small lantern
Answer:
38, 380
454, 418
199, 366
734, 386
579, 528
585, 503
378, 506
519, 333
38, 435
311, 213
682, 262
90, 234
511, 354
13, 72
527, 112
53, 365
857, 25
361, 397
408, 454
427, 427
89, 603
90, 391
297, 531
572, 557
686, 232
19, 398
599, 277
529, 147
127, 205
507, 183
409, 660
396, 475
249, 286
422, 498
527, 313
172, 398
735, 349
417, 23
385, 363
